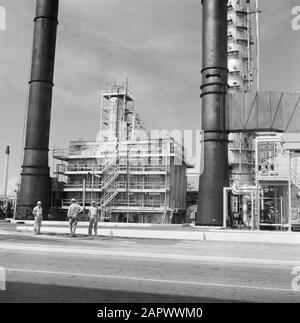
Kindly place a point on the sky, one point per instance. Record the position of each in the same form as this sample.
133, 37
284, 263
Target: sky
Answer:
155, 43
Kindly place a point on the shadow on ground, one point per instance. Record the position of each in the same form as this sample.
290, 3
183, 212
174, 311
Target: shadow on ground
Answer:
18, 292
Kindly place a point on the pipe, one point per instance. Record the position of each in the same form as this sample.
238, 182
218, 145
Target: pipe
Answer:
242, 190
249, 61
133, 128
35, 176
257, 12
5, 177
214, 89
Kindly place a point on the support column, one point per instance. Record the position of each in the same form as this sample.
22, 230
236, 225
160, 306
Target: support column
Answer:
5, 176
35, 180
214, 88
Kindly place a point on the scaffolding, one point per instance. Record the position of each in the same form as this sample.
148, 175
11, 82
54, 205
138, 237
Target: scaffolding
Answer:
117, 116
132, 178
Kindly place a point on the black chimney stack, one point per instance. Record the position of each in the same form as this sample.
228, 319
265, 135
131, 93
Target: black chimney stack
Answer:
214, 88
35, 174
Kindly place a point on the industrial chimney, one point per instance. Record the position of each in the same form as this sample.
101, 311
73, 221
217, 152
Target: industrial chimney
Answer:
5, 177
214, 88
35, 176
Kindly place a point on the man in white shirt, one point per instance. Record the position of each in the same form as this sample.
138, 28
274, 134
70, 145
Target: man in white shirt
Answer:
93, 217
38, 217
73, 212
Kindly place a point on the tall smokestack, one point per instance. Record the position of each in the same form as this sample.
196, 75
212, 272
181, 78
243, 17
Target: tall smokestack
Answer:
214, 88
35, 174
5, 177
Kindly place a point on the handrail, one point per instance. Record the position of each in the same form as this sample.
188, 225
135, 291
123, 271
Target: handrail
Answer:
119, 185
120, 203
120, 167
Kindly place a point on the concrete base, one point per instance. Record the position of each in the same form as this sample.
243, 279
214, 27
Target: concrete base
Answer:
172, 232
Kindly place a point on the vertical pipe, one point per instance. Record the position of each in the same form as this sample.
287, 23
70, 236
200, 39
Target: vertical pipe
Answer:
83, 195
257, 223
5, 177
166, 182
133, 128
92, 190
249, 67
281, 212
214, 88
35, 176
252, 210
225, 206
290, 196
128, 182
257, 11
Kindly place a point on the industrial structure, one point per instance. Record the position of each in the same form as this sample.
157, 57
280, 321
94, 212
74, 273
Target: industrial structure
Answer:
278, 180
5, 174
7, 201
240, 43
214, 89
241, 72
131, 178
272, 201
234, 111
255, 192
35, 176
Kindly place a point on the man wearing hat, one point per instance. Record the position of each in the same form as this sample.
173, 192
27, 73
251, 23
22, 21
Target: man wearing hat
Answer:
73, 212
93, 217
38, 217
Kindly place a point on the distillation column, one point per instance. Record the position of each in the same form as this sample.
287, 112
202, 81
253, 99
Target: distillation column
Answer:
214, 88
35, 180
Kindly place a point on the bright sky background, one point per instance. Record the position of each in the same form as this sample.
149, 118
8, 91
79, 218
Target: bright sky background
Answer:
155, 43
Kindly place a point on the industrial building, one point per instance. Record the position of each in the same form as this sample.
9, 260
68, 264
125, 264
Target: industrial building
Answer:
132, 177
272, 201
241, 72
240, 80
262, 192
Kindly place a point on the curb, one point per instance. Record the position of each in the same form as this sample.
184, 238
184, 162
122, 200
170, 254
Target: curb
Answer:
216, 235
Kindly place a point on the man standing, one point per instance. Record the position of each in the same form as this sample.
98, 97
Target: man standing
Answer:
73, 212
93, 217
38, 217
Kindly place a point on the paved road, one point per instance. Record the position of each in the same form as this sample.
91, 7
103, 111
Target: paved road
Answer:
63, 269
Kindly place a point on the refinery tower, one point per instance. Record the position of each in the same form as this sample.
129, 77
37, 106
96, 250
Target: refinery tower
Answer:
242, 66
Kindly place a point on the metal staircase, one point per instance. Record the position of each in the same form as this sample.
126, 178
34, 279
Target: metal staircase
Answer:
110, 179
109, 196
110, 163
109, 186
